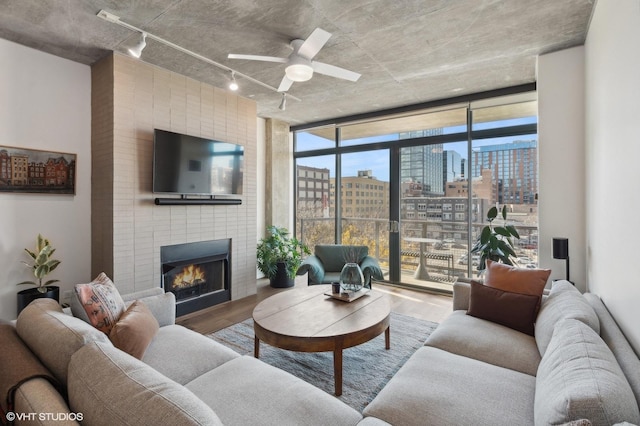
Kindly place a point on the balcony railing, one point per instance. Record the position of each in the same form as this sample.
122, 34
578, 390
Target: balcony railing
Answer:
444, 250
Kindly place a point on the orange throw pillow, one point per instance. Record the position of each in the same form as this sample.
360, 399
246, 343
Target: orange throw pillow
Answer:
135, 330
516, 280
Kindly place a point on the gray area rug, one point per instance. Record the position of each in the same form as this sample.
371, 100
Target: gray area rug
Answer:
367, 368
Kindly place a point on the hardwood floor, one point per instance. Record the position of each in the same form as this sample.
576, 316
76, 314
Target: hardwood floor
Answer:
418, 304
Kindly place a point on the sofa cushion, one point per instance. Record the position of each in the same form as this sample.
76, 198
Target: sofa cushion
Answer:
246, 391
110, 387
134, 330
513, 310
564, 301
435, 387
334, 256
516, 280
101, 301
486, 341
54, 336
617, 342
579, 378
182, 354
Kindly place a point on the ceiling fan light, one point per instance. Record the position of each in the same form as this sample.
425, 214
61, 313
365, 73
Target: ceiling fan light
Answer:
136, 50
299, 72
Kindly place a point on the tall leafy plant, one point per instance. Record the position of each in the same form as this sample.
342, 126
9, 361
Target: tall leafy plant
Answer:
496, 242
279, 247
42, 263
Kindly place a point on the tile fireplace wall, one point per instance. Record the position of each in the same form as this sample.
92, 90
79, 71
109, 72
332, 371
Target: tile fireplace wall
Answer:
129, 99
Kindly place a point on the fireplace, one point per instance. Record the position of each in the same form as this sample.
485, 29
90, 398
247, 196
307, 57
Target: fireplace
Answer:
198, 274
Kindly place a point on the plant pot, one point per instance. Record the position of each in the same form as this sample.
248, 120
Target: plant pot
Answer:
29, 295
281, 280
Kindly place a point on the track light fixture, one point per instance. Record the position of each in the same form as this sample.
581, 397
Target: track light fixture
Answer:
136, 50
283, 103
233, 86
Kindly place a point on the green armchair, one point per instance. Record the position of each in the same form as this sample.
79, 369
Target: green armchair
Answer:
326, 262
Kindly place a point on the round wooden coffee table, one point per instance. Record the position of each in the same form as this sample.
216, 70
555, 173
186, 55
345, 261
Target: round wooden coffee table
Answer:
305, 320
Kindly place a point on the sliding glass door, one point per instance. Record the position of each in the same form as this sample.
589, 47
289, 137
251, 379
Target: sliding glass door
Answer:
415, 187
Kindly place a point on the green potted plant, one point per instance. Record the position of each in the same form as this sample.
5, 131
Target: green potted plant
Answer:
280, 256
41, 264
495, 242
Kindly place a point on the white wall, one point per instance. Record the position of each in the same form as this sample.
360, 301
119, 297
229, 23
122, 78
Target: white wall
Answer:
561, 151
45, 104
612, 58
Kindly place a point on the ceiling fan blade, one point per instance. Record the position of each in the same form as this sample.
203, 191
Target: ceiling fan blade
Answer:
285, 84
314, 43
257, 58
333, 71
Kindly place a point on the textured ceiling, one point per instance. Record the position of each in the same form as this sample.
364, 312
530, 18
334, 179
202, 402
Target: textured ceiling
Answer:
408, 51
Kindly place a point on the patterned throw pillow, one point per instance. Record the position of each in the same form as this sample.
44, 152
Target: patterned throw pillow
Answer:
102, 302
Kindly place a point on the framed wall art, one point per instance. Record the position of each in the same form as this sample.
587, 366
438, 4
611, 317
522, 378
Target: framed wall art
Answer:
36, 171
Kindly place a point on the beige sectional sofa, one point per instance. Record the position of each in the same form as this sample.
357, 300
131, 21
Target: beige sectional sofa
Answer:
184, 378
469, 372
475, 372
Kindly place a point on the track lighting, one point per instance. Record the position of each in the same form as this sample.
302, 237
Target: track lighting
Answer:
233, 86
136, 50
283, 103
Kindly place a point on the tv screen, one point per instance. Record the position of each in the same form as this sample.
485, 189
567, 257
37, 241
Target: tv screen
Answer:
185, 164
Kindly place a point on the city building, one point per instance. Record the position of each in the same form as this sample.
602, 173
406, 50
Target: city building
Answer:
313, 184
514, 166
442, 217
452, 167
363, 196
482, 186
423, 164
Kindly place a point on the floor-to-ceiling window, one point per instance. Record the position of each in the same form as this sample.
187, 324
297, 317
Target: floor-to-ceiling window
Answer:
415, 185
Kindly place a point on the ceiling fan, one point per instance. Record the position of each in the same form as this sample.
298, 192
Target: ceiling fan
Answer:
300, 66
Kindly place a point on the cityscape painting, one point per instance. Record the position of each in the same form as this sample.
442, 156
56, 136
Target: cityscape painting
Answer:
36, 171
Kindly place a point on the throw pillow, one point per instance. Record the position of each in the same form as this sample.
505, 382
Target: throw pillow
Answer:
135, 330
516, 280
101, 301
513, 310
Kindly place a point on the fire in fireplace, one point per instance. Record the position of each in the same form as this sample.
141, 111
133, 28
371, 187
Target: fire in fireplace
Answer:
198, 274
189, 282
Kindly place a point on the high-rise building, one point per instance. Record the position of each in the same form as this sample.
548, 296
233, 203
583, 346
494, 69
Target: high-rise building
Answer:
515, 170
423, 164
451, 167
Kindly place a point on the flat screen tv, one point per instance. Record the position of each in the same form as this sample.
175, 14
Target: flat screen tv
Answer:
187, 165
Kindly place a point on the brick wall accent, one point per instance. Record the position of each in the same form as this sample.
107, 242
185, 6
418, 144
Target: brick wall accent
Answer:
127, 227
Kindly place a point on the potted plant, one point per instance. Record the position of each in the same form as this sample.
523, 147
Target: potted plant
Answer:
495, 242
280, 256
42, 264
